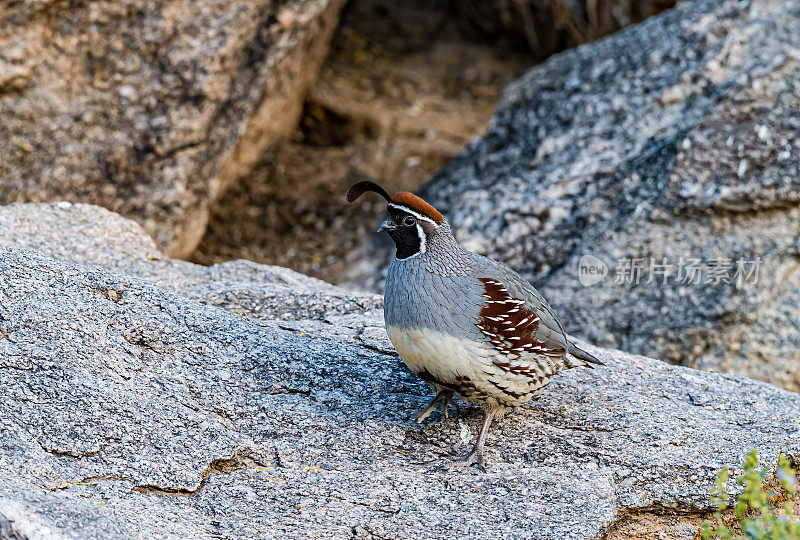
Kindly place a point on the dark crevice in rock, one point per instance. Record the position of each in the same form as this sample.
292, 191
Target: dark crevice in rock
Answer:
324, 127
279, 391
144, 342
66, 453
70, 453
379, 350
401, 93
90, 480
18, 368
220, 465
366, 505
585, 429
166, 153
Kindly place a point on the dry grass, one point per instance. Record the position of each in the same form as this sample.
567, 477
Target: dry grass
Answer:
548, 26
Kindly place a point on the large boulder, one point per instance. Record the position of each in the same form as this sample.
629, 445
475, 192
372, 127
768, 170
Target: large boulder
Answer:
143, 398
150, 107
675, 142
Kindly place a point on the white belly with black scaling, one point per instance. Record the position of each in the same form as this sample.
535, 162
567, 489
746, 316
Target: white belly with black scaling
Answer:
470, 367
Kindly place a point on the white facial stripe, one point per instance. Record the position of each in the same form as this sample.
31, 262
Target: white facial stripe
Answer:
413, 213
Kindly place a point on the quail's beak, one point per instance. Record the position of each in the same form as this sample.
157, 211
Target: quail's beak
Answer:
387, 225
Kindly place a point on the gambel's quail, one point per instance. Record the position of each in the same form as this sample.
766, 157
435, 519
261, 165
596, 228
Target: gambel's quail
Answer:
464, 323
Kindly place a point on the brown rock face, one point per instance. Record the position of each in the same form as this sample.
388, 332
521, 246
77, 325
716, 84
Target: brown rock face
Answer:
149, 107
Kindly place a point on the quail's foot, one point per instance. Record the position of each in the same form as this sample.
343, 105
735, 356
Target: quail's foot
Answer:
475, 456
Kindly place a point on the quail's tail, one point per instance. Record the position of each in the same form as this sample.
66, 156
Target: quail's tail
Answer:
581, 357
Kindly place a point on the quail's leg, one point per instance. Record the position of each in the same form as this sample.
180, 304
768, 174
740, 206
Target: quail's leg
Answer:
447, 403
442, 398
475, 456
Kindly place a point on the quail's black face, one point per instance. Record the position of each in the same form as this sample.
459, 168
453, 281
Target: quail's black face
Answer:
411, 220
406, 231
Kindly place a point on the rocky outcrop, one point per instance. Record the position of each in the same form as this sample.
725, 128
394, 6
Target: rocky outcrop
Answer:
674, 143
150, 397
150, 107
405, 87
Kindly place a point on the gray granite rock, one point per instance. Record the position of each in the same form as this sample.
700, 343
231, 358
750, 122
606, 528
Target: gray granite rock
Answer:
676, 139
135, 407
87, 234
150, 107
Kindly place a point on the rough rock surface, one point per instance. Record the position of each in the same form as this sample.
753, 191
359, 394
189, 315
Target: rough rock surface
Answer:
677, 138
134, 406
148, 107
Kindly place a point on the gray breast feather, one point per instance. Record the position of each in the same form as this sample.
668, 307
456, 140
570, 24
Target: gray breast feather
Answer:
417, 298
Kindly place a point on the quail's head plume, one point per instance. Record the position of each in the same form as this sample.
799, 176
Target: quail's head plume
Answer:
464, 323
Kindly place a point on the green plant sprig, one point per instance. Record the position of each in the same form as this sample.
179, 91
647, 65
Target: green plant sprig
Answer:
760, 513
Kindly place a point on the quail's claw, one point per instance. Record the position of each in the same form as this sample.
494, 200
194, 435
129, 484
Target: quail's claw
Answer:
474, 457
446, 404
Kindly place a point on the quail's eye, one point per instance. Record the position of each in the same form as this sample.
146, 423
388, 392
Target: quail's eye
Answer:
409, 221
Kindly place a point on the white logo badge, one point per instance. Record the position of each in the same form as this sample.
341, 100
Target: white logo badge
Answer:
591, 270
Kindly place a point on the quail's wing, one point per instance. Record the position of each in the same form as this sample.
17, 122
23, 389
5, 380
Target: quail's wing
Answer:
516, 319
